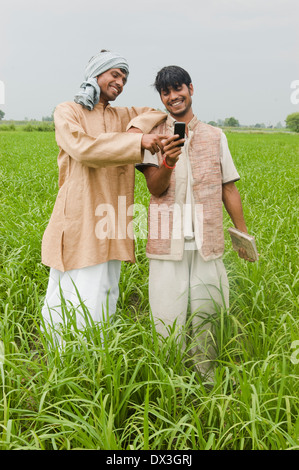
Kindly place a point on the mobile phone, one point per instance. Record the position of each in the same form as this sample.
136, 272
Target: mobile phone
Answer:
179, 128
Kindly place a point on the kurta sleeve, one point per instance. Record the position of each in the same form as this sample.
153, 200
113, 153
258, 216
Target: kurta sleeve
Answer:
148, 160
146, 119
108, 149
229, 171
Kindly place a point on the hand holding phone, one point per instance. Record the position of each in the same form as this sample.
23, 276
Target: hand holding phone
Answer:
172, 151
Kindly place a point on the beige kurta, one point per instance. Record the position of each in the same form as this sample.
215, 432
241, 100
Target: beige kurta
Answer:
96, 173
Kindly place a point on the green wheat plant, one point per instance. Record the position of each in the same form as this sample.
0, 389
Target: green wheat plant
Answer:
118, 385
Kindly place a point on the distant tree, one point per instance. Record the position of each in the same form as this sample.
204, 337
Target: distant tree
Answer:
2, 114
212, 123
260, 125
49, 118
292, 122
231, 122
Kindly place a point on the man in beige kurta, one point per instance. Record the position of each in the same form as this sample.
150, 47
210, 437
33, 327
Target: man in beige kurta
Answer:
88, 234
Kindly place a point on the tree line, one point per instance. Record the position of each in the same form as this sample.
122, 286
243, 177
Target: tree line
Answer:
292, 122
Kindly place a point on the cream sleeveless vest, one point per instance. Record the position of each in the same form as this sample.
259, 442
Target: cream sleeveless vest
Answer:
165, 227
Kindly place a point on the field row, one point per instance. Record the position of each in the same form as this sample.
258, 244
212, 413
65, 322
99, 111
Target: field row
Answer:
119, 388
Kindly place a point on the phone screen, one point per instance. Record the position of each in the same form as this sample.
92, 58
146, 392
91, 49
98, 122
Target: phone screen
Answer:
179, 128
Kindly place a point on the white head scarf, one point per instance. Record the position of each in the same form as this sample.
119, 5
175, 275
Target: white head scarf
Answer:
89, 93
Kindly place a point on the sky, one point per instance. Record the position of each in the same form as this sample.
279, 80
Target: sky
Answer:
242, 55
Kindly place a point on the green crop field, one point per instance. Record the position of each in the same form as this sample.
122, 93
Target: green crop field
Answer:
129, 391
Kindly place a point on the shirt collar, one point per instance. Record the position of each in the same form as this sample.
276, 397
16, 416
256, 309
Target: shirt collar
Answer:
170, 120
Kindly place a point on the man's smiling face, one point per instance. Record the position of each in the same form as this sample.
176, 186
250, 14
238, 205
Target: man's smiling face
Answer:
177, 100
111, 84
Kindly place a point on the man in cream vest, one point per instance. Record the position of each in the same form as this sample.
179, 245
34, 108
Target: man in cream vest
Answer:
185, 241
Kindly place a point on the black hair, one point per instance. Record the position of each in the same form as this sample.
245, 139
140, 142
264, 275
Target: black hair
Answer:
171, 76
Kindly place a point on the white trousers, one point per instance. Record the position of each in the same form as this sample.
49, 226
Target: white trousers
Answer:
172, 284
94, 288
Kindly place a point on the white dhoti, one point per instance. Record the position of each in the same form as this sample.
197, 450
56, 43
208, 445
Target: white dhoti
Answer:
91, 293
173, 283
